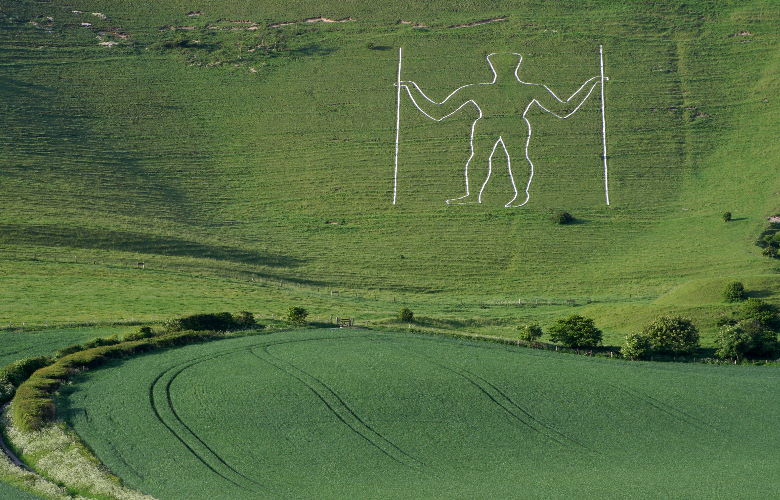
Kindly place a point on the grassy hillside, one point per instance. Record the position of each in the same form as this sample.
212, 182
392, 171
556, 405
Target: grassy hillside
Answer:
251, 167
334, 414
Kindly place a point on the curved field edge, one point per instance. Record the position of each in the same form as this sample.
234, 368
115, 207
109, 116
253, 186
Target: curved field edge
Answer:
19, 351
338, 394
63, 466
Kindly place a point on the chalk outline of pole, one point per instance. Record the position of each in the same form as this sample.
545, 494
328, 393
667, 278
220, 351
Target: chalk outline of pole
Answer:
397, 123
603, 126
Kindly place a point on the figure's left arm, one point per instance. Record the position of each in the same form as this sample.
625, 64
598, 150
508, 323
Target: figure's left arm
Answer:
437, 111
564, 108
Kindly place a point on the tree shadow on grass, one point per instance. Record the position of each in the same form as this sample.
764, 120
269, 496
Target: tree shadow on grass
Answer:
11, 87
103, 239
312, 49
760, 294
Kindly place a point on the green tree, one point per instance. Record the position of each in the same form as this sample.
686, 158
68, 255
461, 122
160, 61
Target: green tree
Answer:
575, 331
636, 346
406, 315
726, 216
531, 332
734, 292
672, 335
747, 339
763, 312
297, 315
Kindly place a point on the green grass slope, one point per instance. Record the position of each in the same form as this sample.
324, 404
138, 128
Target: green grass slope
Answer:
217, 155
335, 414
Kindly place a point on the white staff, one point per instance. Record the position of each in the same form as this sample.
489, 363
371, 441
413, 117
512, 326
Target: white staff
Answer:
397, 123
603, 126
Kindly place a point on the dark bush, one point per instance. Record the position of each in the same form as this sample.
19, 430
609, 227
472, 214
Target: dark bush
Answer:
726, 216
221, 322
144, 332
531, 332
245, 319
769, 240
100, 341
406, 315
672, 335
297, 315
575, 331
726, 321
747, 339
563, 218
734, 292
763, 312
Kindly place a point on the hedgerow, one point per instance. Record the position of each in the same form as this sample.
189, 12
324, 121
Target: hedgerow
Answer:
33, 404
17, 372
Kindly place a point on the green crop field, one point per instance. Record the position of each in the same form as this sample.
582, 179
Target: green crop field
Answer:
328, 414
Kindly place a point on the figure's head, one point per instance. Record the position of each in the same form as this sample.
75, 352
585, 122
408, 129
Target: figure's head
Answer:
504, 64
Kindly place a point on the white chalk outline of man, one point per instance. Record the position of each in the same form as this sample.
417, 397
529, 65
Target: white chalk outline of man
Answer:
453, 107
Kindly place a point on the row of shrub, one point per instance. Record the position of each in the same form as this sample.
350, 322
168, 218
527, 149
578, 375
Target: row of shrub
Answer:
751, 332
14, 374
667, 335
574, 331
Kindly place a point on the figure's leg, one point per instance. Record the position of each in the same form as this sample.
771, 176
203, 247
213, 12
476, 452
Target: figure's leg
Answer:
521, 168
478, 169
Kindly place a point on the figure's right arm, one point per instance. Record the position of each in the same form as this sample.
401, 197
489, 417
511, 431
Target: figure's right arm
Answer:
434, 110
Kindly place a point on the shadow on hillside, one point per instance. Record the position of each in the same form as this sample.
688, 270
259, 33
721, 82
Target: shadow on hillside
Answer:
311, 50
760, 294
450, 323
12, 87
102, 239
